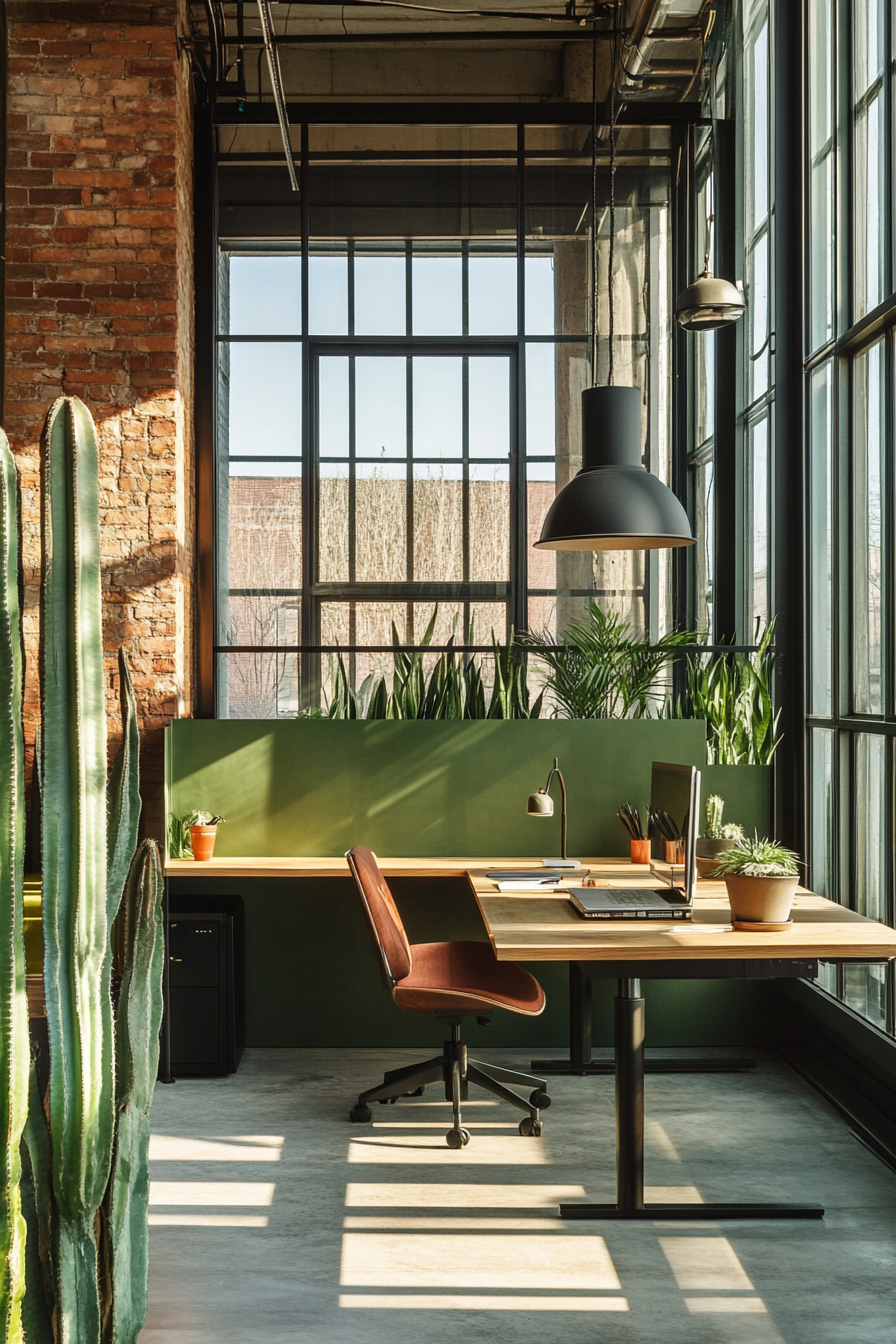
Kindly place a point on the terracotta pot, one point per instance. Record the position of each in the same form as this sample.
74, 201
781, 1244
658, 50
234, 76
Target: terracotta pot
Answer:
760, 900
202, 838
708, 850
640, 851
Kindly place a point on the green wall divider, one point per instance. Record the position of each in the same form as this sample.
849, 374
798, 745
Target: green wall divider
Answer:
306, 787
311, 787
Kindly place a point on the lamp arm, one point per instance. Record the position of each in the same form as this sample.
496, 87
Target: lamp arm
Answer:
555, 770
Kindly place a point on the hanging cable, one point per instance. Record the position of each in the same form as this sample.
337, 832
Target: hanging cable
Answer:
612, 247
594, 286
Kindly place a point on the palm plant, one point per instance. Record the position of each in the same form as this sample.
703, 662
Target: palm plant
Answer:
598, 670
733, 693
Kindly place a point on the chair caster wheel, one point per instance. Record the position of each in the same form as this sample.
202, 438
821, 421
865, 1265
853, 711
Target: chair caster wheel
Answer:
417, 1093
387, 1101
530, 1129
540, 1100
359, 1114
457, 1138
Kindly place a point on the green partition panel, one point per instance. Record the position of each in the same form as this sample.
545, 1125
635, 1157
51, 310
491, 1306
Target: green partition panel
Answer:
305, 787
430, 788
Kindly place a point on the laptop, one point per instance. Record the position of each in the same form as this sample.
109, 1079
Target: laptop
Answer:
675, 791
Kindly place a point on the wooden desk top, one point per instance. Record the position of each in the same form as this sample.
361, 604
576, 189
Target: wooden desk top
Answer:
337, 867
547, 928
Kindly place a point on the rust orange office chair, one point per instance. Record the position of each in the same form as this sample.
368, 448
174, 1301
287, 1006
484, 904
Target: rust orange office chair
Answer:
447, 981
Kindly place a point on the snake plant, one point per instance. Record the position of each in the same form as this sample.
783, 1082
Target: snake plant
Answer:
14, 1051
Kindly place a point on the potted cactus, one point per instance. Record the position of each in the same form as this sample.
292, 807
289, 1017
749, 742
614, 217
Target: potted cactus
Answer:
761, 877
717, 837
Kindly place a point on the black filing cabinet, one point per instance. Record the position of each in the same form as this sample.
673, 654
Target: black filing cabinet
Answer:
205, 950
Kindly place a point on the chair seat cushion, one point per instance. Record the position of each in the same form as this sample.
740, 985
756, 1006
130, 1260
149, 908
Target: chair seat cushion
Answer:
466, 978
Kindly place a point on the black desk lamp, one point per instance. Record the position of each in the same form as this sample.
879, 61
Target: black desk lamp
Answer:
541, 804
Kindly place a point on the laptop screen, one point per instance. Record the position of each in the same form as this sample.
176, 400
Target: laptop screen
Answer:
674, 807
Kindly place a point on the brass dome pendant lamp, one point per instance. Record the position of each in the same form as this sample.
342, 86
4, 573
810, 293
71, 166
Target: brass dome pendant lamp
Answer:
710, 303
613, 503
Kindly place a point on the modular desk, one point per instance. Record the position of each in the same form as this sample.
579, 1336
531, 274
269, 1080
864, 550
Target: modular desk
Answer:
547, 928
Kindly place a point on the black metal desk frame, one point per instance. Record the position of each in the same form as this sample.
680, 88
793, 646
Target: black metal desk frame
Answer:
629, 1069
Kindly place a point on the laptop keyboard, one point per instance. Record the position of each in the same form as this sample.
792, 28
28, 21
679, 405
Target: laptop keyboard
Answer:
628, 896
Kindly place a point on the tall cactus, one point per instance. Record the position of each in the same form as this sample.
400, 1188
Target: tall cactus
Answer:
77, 955
138, 1021
14, 1049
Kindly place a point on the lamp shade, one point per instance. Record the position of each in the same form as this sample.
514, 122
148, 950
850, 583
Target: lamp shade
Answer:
540, 804
613, 503
709, 303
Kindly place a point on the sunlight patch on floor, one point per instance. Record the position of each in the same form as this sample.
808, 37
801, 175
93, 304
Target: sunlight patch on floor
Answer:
704, 1262
457, 1195
207, 1220
211, 1194
458, 1302
751, 1305
386, 1221
406, 1260
485, 1150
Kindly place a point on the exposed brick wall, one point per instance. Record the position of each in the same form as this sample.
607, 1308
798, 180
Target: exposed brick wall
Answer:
99, 305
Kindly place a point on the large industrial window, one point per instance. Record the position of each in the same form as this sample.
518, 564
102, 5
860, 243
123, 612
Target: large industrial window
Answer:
850, 393
401, 354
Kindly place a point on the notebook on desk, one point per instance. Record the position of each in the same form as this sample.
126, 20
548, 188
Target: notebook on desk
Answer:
675, 790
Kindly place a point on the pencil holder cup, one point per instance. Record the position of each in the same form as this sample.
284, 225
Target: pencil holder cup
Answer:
640, 851
674, 851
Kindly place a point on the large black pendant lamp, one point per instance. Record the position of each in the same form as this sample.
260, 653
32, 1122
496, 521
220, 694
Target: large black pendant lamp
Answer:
613, 503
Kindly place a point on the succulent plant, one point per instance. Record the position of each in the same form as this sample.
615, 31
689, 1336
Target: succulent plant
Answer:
758, 858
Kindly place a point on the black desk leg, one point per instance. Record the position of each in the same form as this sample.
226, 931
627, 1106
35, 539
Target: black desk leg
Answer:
164, 1075
630, 1139
580, 1061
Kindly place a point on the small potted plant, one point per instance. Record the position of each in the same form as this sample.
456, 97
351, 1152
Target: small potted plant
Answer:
203, 830
716, 838
761, 877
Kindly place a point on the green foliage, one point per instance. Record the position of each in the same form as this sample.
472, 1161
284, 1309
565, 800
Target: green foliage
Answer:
453, 689
598, 670
758, 858
77, 950
733, 693
137, 1025
14, 1048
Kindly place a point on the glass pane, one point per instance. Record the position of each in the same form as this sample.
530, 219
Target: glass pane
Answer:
871, 825
264, 297
438, 523
822, 874
819, 70
489, 523
492, 296
870, 176
489, 622
438, 407
704, 551
757, 123
437, 296
541, 396
264, 545
380, 307
821, 251
332, 406
333, 528
489, 394
257, 685
758, 317
327, 296
540, 492
381, 524
869, 36
540, 295
868, 521
758, 594
705, 387
821, 542
381, 406
864, 990
263, 395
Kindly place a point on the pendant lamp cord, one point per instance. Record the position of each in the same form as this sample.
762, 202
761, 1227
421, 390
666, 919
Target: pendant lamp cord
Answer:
594, 205
610, 304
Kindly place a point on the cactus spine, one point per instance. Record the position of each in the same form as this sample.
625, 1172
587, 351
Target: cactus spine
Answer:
14, 1049
138, 1021
77, 954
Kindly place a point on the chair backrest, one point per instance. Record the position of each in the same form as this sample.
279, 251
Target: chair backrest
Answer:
382, 914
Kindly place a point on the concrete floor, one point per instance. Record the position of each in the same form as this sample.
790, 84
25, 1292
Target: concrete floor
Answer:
276, 1220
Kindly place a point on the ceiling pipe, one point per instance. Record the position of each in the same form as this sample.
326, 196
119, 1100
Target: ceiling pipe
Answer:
267, 29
